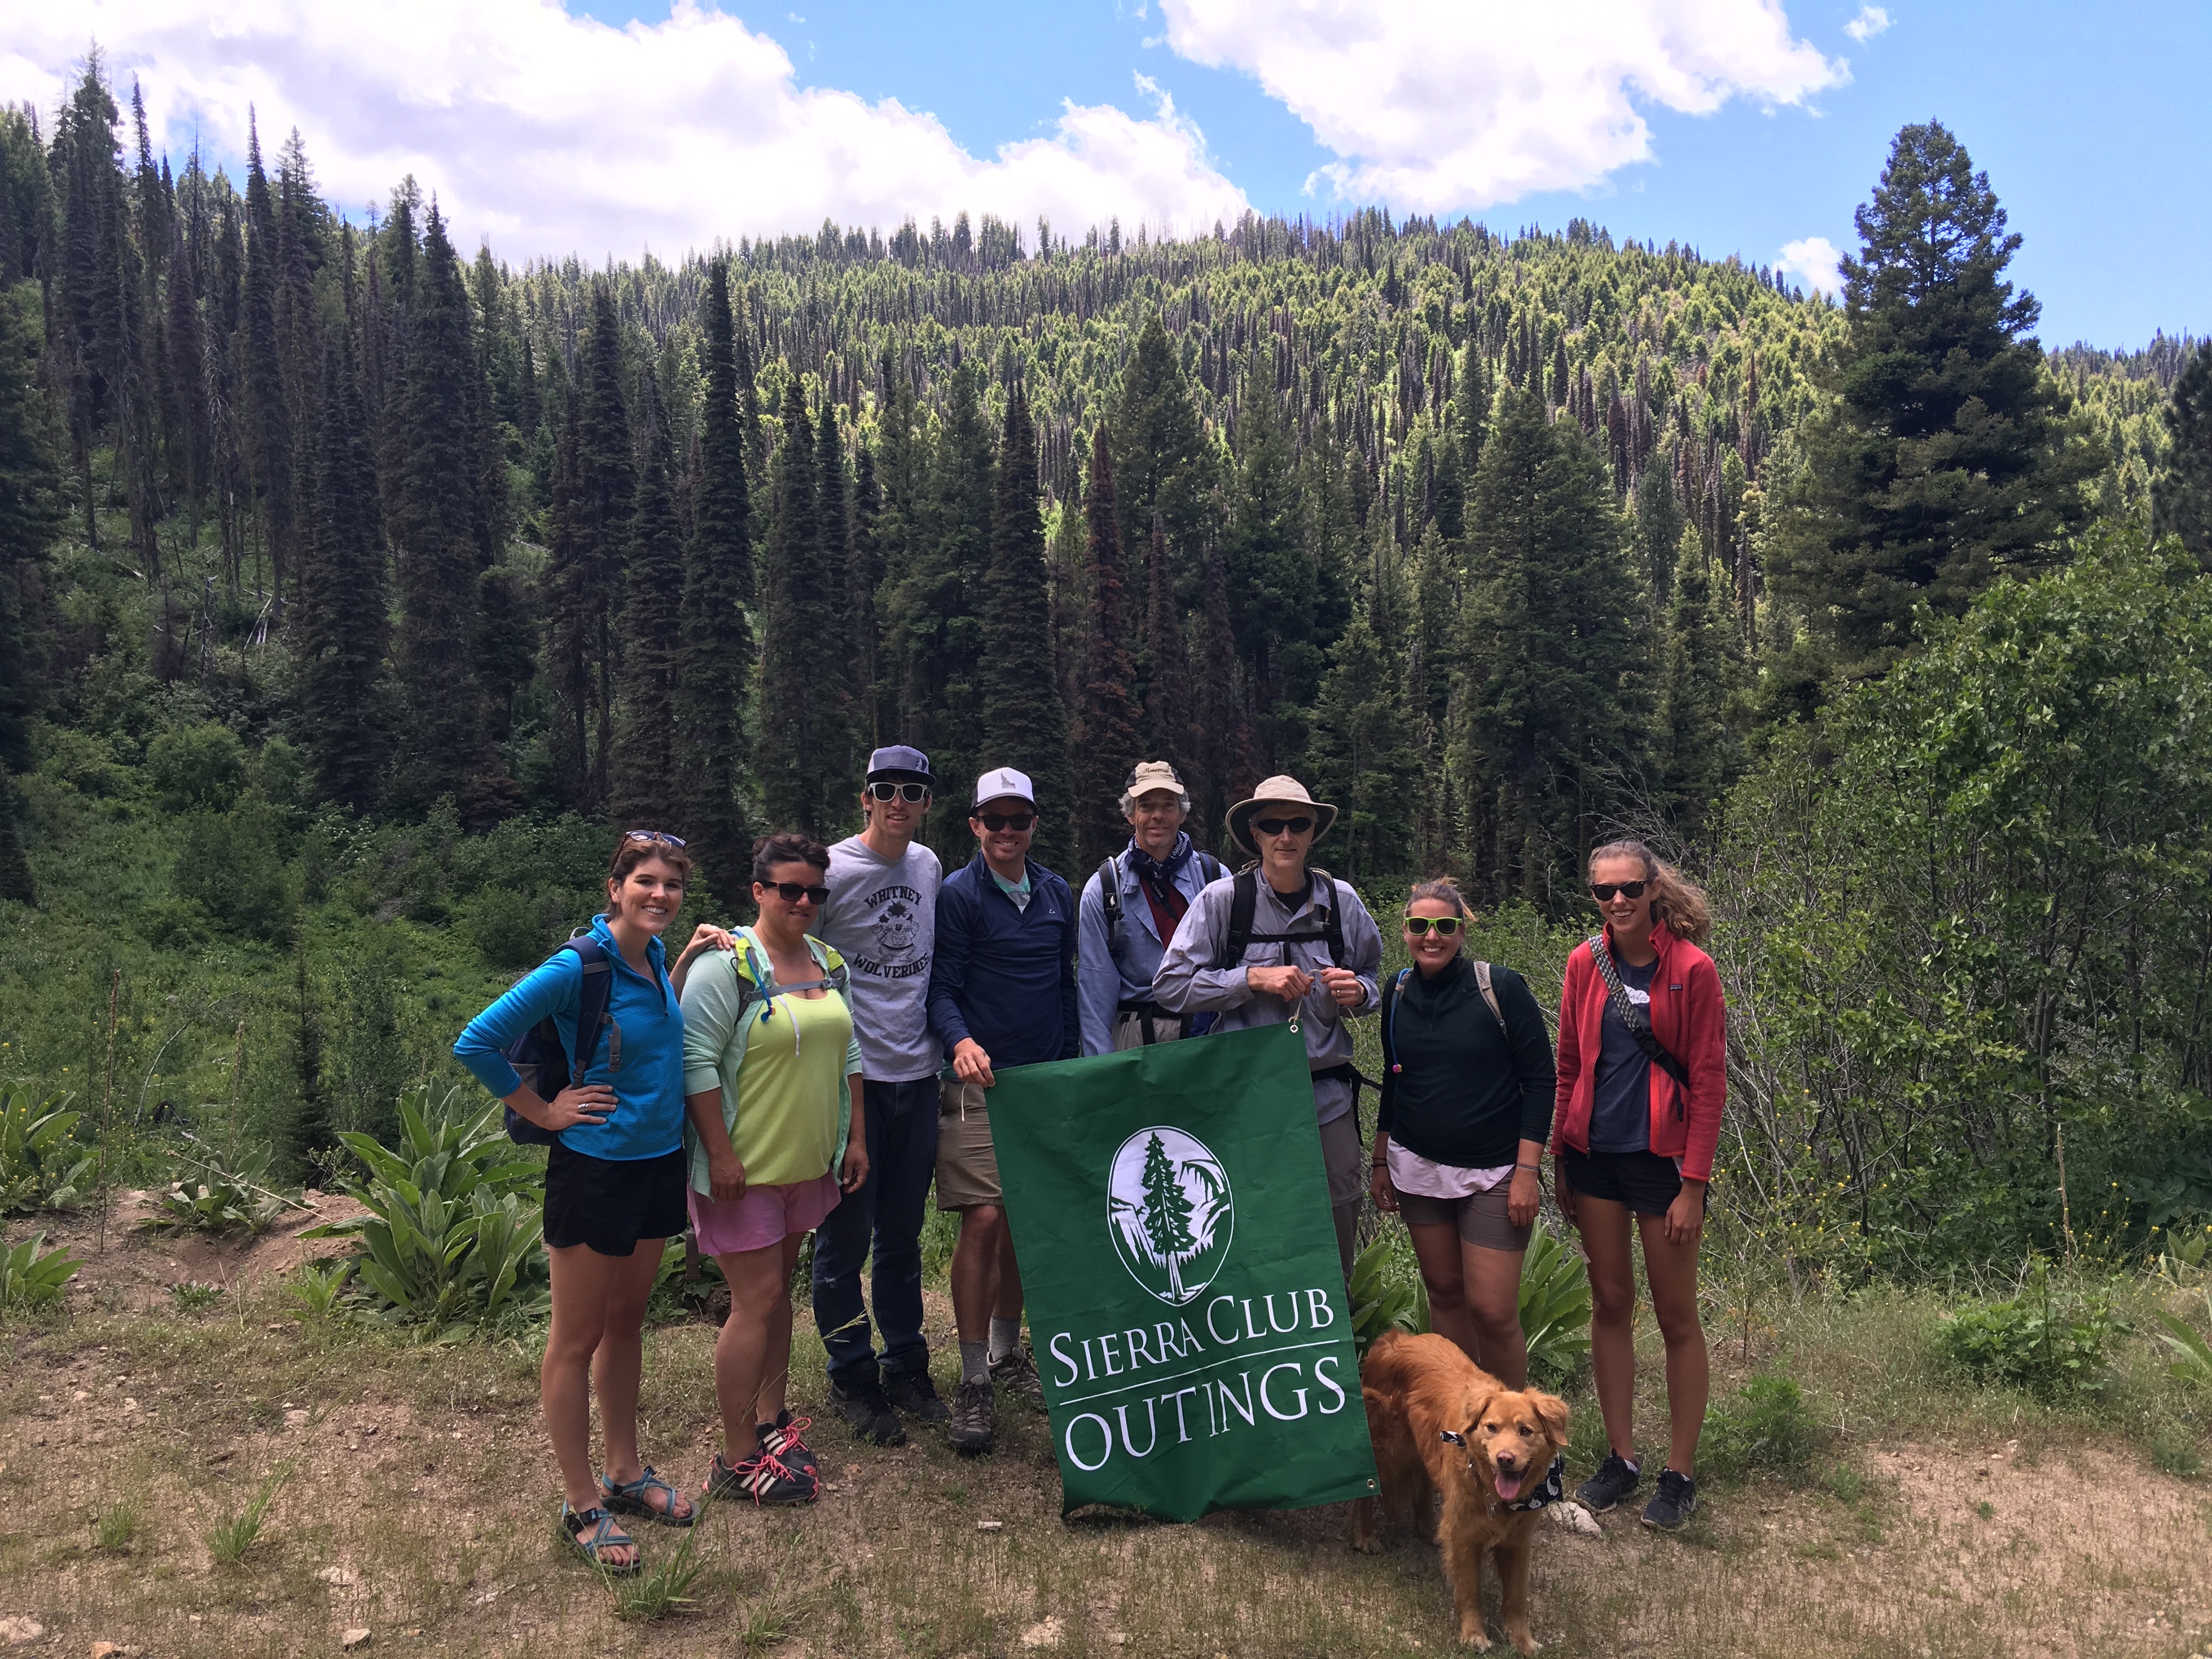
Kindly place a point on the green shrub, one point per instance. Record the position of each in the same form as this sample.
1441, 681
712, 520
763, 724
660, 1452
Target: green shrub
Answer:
232, 864
1763, 1426
1555, 1307
41, 1166
1382, 1302
2192, 1361
507, 928
198, 768
31, 1276
219, 1195
2047, 1347
455, 1237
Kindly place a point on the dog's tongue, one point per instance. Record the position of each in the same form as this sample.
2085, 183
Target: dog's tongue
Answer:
1509, 1485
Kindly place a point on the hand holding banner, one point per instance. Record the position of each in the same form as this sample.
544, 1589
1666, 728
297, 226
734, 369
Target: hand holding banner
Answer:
1171, 1219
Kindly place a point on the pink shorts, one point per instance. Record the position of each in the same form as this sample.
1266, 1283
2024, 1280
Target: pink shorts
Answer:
764, 1216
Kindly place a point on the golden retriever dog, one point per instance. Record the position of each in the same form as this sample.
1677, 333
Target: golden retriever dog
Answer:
1442, 1423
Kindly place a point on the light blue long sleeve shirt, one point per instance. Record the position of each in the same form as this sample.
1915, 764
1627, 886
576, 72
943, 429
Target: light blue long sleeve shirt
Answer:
640, 1054
1102, 980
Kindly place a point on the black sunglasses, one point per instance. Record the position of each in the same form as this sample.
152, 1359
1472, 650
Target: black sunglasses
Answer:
1276, 826
995, 822
793, 892
660, 836
913, 792
1419, 926
1603, 891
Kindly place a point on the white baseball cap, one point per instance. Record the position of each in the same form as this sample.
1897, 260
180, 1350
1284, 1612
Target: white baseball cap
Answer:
1004, 781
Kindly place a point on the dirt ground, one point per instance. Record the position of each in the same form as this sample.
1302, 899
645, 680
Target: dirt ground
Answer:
415, 1503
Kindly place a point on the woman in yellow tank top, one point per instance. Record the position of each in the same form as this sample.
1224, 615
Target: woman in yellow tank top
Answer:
774, 1136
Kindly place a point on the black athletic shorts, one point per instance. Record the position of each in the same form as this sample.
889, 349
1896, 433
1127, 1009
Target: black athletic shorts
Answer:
611, 1203
1644, 1182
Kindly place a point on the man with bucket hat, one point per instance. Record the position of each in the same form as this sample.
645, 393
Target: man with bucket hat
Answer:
1001, 993
1282, 938
882, 918
1128, 913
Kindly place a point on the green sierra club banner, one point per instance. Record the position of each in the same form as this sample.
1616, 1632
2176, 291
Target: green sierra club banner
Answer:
1185, 1299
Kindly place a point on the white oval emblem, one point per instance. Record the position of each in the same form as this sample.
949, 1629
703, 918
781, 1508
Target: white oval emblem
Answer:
1169, 1212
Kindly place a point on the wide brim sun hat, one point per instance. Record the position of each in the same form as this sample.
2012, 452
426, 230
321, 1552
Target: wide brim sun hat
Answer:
1277, 792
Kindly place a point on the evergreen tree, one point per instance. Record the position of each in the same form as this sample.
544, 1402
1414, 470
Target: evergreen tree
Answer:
1025, 722
1698, 753
873, 713
1228, 764
836, 653
1473, 408
340, 621
30, 517
268, 419
1167, 1215
1107, 747
717, 648
434, 534
646, 789
1948, 454
2181, 498
1552, 654
1364, 757
1161, 463
1274, 586
503, 646
1170, 729
802, 729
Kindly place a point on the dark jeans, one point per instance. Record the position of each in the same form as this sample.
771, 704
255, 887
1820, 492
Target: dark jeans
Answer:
883, 1218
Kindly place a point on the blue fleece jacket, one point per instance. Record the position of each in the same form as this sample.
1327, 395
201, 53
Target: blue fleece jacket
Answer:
644, 1065
1003, 974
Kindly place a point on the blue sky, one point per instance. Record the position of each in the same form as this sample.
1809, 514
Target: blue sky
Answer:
606, 128
2084, 116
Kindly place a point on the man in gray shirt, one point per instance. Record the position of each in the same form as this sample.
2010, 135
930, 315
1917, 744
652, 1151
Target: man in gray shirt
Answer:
1309, 948
882, 918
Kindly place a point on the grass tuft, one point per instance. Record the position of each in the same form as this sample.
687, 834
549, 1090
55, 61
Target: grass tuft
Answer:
657, 1592
229, 1541
118, 1526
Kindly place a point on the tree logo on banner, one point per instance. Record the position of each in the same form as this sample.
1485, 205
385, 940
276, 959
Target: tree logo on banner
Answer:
1170, 1212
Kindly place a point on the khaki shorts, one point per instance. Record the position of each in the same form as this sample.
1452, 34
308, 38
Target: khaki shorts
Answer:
1129, 1030
1345, 1159
967, 1165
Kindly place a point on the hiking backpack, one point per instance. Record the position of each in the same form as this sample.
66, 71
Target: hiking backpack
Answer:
1109, 894
1395, 988
543, 1066
1246, 900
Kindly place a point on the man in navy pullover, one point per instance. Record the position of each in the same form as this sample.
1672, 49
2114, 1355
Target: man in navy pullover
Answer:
1001, 993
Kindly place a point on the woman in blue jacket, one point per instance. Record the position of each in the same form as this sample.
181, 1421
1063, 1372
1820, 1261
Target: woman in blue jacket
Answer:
615, 1181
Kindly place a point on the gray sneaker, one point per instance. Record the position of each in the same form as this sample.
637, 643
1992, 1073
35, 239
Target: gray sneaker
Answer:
1015, 1372
971, 1418
866, 1411
1671, 1506
1615, 1478
913, 1393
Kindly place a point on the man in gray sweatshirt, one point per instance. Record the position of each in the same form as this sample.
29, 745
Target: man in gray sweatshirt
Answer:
1307, 946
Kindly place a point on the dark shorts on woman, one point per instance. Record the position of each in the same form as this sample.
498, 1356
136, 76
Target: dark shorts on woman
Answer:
609, 1204
1481, 1218
1644, 1182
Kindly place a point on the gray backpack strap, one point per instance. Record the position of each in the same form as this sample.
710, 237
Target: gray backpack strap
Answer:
1489, 995
1109, 896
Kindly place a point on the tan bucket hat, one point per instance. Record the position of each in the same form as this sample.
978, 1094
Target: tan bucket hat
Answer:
1280, 792
1147, 776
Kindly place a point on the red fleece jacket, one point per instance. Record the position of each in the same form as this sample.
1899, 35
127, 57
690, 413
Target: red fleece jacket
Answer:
1690, 1019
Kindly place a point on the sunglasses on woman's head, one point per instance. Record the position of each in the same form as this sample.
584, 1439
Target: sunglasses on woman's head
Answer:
793, 892
994, 822
912, 792
1603, 891
1446, 926
660, 837
1276, 826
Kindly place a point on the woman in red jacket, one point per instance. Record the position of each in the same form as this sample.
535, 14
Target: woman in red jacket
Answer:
1637, 1119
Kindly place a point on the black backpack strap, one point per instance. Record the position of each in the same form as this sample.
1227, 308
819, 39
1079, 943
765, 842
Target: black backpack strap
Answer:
1331, 923
1109, 896
1616, 996
1245, 897
592, 1002
1212, 865
1391, 987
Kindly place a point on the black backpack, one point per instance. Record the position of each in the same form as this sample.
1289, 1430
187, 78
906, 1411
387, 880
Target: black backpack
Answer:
1109, 894
537, 1055
1247, 897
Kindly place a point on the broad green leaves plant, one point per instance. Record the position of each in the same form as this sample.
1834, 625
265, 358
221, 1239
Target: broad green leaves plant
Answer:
32, 1276
220, 1195
41, 1166
2045, 1345
1555, 1306
2193, 1354
1764, 1425
1381, 1302
455, 1239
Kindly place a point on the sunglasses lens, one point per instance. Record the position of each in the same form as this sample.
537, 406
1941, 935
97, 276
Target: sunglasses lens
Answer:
1277, 826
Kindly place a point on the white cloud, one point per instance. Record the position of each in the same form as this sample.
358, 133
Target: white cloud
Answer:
1815, 263
1871, 22
553, 134
1441, 104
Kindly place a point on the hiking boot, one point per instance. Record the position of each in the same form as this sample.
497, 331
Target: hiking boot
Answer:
868, 1412
764, 1478
913, 1393
971, 1418
1015, 1372
781, 1439
1671, 1504
1615, 1478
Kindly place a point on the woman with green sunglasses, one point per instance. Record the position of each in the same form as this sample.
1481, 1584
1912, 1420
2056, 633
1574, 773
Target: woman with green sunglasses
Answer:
1466, 1106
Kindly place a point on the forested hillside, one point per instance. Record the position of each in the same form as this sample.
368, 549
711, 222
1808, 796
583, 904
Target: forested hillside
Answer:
351, 578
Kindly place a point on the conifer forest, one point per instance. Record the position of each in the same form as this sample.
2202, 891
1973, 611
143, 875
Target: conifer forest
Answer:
354, 584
